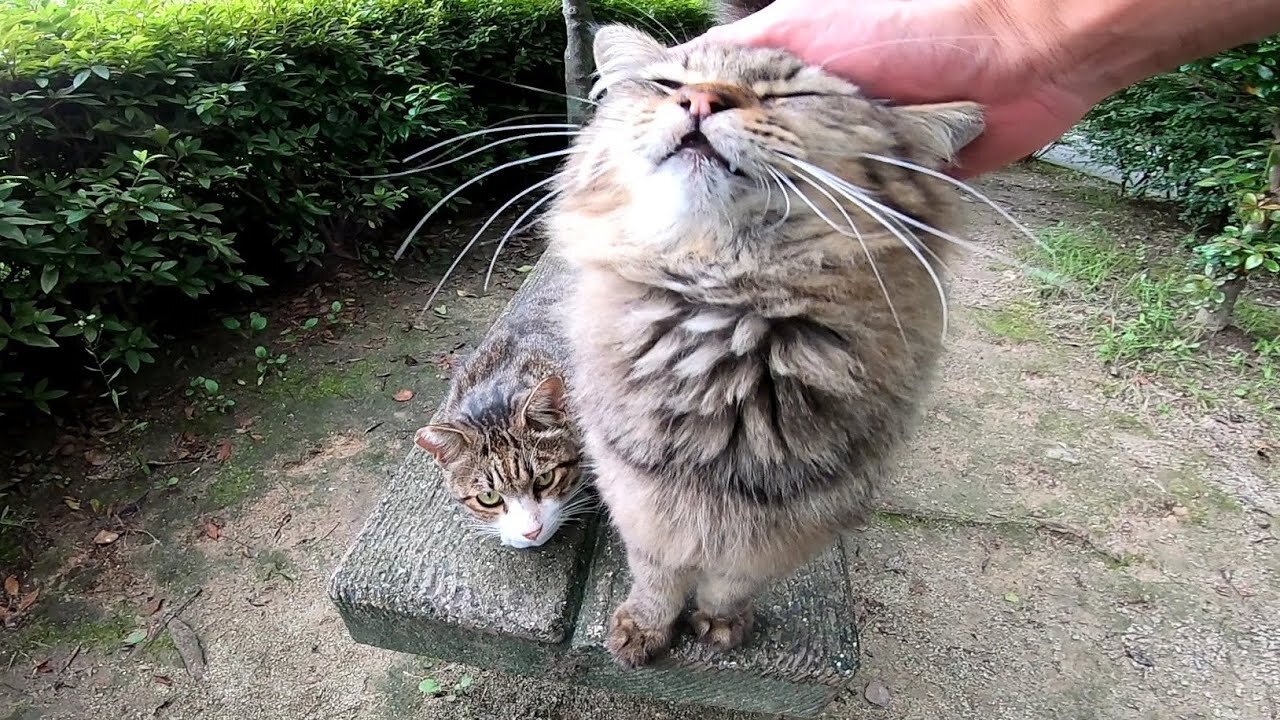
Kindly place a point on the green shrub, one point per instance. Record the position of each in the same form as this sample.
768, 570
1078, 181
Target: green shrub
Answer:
153, 154
1167, 129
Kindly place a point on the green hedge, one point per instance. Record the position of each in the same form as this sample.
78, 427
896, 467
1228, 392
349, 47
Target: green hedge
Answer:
156, 153
1168, 130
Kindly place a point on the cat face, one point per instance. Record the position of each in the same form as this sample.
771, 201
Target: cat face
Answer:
701, 134
518, 480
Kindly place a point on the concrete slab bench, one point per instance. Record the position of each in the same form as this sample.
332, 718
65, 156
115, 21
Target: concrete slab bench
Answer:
416, 581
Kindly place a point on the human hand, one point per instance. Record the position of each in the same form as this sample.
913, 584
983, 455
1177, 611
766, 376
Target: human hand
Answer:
923, 51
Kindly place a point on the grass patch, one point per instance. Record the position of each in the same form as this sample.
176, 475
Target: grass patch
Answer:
1018, 321
355, 381
1202, 499
1088, 256
233, 484
1257, 321
91, 633
1147, 322
1138, 316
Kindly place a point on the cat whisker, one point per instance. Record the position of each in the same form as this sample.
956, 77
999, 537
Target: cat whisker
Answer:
966, 187
580, 499
474, 238
480, 527
453, 193
488, 130
502, 124
579, 514
859, 198
907, 219
531, 88
650, 16
915, 240
503, 141
520, 225
835, 227
875, 270
786, 213
443, 163
512, 230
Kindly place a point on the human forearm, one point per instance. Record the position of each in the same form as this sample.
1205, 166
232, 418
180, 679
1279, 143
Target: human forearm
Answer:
1097, 47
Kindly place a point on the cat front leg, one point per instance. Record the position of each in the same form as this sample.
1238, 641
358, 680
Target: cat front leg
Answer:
642, 625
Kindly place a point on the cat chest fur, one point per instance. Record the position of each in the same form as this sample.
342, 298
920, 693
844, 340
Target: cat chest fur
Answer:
768, 401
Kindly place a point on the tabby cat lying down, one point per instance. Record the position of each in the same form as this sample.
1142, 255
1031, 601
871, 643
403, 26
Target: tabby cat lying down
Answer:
757, 311
509, 449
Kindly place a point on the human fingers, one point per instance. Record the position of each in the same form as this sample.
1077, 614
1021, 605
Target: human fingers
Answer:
1017, 129
780, 24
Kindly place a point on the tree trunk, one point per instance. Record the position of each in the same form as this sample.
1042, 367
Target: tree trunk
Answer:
578, 60
1218, 318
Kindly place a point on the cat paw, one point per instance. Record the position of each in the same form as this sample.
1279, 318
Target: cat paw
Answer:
631, 644
721, 633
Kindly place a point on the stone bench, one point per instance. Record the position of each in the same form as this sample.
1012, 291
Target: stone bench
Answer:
417, 581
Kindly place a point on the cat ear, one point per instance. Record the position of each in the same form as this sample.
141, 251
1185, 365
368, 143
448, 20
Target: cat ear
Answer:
945, 128
445, 442
545, 406
620, 51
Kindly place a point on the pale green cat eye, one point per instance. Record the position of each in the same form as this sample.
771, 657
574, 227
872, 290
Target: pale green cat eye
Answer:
544, 481
489, 499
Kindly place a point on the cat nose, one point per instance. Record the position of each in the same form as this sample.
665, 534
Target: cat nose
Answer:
534, 533
703, 102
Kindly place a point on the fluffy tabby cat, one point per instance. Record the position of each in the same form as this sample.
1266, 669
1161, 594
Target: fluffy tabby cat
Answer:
509, 450
757, 312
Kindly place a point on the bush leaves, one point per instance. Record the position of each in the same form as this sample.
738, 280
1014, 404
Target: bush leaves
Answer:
238, 142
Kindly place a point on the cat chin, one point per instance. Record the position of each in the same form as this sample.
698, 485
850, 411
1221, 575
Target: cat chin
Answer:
513, 523
676, 194
520, 543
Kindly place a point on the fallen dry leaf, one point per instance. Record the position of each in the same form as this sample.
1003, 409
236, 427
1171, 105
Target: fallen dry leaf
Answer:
28, 600
224, 450
188, 646
212, 530
105, 537
403, 396
96, 457
11, 586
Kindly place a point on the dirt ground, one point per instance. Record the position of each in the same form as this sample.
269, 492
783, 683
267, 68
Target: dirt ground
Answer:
1071, 539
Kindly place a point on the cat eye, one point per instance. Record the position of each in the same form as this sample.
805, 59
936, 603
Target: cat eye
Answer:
489, 499
787, 96
669, 84
544, 481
